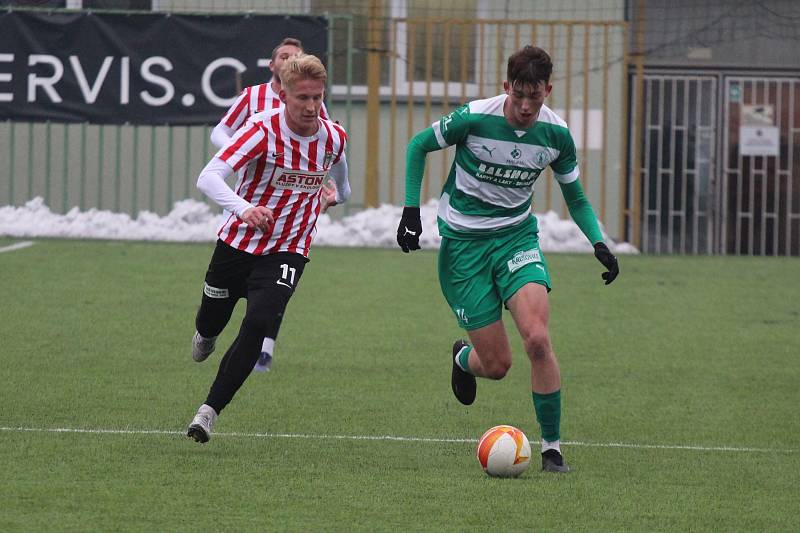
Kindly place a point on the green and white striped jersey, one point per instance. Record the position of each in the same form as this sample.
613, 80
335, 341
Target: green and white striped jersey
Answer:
490, 185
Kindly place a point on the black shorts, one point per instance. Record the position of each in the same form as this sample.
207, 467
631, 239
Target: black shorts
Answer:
233, 273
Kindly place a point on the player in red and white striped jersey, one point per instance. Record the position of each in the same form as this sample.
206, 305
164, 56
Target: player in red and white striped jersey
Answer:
252, 100
258, 98
283, 171
268, 225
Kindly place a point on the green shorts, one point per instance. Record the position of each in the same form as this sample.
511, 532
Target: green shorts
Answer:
479, 276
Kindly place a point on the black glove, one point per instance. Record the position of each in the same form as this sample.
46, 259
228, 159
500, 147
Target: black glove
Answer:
604, 255
409, 230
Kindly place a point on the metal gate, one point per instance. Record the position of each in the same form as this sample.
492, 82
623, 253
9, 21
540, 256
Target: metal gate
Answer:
760, 186
677, 171
749, 202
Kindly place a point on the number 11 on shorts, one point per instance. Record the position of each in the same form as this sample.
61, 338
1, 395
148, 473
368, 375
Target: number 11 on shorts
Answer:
287, 275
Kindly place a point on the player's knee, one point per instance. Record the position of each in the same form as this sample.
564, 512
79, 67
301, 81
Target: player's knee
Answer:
497, 369
537, 344
212, 319
258, 321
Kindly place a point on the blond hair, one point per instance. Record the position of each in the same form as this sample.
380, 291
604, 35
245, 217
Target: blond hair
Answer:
302, 67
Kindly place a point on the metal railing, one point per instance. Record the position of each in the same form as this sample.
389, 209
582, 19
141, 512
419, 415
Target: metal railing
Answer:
124, 168
425, 67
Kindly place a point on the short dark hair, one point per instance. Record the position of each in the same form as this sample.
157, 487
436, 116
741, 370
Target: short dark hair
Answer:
287, 41
531, 65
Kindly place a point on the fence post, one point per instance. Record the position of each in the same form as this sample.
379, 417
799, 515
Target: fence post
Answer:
373, 103
636, 170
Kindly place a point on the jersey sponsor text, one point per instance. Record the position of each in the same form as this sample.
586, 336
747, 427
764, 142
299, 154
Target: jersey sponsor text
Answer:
523, 258
505, 176
303, 181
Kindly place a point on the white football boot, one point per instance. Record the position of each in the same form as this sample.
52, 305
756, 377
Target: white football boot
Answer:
203, 421
202, 347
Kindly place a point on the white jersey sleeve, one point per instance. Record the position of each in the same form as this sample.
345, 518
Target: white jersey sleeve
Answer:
221, 134
212, 183
338, 172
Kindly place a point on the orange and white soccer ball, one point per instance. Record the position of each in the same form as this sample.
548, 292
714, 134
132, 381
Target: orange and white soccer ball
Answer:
504, 451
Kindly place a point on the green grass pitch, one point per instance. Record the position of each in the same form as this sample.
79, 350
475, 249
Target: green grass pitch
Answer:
681, 386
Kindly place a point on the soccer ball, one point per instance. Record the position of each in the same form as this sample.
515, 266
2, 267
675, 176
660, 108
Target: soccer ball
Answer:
504, 451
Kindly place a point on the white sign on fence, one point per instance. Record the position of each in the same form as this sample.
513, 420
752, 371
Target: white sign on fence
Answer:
759, 140
758, 134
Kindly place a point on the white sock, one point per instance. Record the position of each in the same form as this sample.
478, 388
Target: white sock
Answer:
548, 445
268, 345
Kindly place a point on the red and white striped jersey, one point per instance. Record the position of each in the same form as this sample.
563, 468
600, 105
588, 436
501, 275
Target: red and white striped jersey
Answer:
256, 99
284, 172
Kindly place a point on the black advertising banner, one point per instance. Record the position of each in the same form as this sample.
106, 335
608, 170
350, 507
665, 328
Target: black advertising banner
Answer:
152, 68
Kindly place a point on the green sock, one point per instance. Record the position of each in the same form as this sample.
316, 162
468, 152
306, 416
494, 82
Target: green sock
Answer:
462, 359
548, 414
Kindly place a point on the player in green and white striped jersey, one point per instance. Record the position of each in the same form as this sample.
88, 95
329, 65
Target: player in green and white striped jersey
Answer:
490, 256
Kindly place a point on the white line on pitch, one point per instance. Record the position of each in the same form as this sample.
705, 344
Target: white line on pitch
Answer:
16, 246
393, 438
